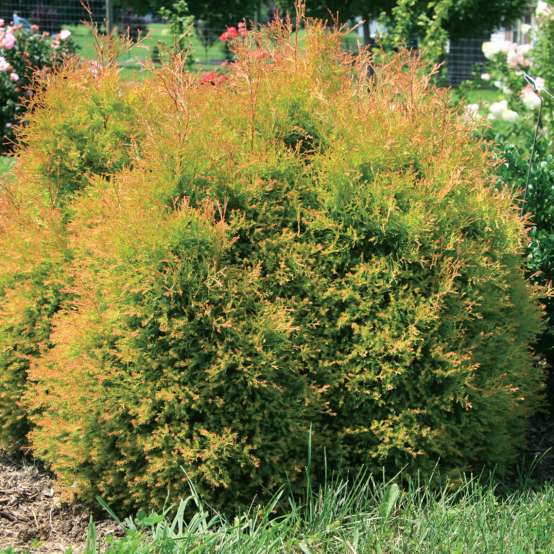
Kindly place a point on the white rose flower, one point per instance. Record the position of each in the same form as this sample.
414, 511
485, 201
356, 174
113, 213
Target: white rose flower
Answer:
505, 46
486, 76
490, 49
512, 57
503, 87
524, 49
530, 99
496, 109
510, 116
543, 9
471, 112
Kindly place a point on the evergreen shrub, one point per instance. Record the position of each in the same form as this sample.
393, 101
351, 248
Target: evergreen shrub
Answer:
83, 124
300, 245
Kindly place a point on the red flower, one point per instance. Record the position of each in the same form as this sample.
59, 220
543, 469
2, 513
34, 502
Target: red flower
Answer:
212, 78
229, 34
208, 78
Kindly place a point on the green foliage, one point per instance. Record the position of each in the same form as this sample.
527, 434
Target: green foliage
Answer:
64, 144
536, 189
543, 59
65, 147
460, 18
181, 27
406, 23
432, 23
5, 164
214, 14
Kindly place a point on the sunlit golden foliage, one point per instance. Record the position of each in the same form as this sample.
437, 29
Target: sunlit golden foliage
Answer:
84, 123
300, 245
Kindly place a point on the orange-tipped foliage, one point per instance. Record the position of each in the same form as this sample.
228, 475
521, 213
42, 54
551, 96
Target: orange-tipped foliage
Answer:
301, 245
83, 124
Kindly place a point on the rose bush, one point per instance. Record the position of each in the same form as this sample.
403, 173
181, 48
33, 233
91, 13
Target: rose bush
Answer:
22, 53
230, 36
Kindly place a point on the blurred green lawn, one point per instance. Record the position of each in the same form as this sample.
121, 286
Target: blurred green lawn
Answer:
5, 164
482, 95
132, 63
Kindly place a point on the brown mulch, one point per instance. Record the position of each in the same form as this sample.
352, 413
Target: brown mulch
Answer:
32, 517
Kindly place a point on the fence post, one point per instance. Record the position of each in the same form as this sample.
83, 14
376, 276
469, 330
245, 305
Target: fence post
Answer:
109, 16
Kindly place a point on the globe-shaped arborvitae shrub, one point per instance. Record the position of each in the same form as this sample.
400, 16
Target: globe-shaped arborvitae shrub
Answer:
83, 124
299, 246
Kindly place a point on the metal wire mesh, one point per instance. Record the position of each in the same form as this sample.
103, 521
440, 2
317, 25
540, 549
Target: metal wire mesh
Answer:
464, 59
52, 15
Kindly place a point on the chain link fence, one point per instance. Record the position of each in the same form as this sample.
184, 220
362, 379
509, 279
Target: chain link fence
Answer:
53, 15
463, 60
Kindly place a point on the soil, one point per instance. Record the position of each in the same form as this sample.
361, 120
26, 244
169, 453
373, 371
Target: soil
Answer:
32, 517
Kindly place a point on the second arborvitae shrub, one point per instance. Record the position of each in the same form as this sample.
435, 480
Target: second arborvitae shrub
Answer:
300, 246
83, 124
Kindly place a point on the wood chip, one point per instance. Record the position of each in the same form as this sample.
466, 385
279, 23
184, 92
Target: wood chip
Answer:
32, 516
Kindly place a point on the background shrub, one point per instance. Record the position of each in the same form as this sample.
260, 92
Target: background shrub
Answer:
512, 139
298, 246
83, 125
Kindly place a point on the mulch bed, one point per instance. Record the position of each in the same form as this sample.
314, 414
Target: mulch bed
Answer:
32, 517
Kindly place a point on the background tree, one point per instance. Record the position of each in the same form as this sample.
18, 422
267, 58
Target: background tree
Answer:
462, 18
213, 13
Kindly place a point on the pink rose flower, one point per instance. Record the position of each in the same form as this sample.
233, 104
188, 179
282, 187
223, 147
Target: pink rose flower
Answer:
14, 77
9, 41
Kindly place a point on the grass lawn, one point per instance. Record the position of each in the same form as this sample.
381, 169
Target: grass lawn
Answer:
5, 164
132, 62
477, 96
358, 518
